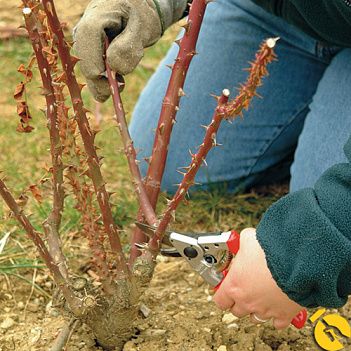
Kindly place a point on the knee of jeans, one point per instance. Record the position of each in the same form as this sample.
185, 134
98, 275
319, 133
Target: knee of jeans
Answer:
300, 177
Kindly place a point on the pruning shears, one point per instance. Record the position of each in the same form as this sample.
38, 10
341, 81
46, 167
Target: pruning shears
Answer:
209, 254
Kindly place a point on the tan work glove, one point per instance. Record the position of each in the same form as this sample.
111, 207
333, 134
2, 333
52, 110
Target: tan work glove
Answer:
131, 25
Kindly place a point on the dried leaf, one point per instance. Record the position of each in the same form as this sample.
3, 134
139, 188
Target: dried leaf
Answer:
23, 111
51, 54
62, 78
31, 62
36, 193
19, 91
26, 71
21, 128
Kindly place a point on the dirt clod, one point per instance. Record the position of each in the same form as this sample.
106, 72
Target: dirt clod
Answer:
229, 318
7, 323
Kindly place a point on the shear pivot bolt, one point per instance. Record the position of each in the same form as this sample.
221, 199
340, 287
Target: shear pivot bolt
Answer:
190, 252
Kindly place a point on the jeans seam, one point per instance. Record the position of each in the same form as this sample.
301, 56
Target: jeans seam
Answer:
269, 143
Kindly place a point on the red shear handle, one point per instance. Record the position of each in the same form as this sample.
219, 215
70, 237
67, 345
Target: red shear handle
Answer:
300, 319
233, 244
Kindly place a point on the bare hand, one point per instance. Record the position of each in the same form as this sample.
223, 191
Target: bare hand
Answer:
249, 288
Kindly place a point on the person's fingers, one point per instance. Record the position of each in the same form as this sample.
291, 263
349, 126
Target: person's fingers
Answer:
223, 300
281, 323
99, 88
239, 311
257, 318
126, 50
89, 45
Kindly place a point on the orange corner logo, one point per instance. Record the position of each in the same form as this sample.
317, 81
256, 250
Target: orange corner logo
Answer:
330, 330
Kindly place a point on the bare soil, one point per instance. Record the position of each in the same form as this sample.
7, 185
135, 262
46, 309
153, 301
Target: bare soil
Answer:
182, 317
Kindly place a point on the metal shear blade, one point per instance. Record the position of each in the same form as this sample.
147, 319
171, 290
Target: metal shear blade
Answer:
172, 252
150, 231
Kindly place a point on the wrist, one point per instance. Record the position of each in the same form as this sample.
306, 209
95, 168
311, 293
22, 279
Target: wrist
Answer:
170, 11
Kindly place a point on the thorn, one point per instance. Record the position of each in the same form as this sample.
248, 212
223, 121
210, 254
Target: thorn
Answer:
45, 92
95, 132
214, 140
178, 41
161, 128
192, 53
81, 86
204, 162
74, 60
181, 92
170, 67
121, 84
110, 193
187, 27
203, 126
173, 216
180, 172
215, 97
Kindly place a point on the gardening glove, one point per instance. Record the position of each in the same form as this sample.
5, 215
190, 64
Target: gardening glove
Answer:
130, 25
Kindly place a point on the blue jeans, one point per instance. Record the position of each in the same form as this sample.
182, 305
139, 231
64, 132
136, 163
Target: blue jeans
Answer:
298, 128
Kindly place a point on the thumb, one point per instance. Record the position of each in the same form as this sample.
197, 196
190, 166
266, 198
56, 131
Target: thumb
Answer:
126, 50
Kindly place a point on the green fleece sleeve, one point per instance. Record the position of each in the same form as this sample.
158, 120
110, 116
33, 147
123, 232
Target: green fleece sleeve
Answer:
326, 20
306, 237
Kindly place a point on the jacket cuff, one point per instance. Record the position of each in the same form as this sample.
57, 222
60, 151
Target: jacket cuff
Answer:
308, 256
